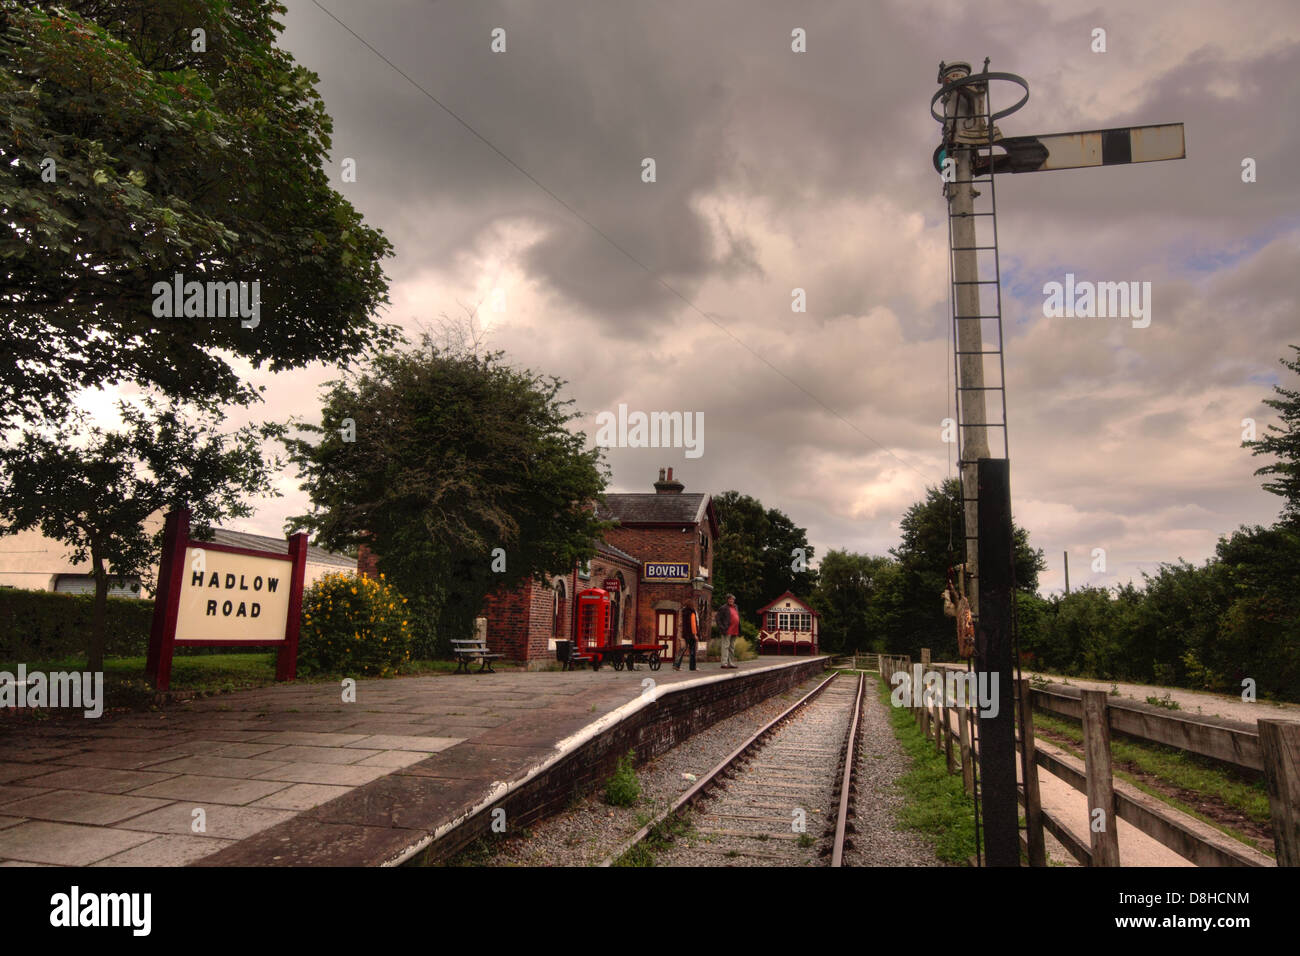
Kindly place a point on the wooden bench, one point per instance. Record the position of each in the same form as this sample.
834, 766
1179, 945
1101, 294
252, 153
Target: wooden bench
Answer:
469, 651
571, 657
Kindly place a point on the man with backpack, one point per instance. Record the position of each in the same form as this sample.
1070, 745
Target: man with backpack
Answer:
690, 637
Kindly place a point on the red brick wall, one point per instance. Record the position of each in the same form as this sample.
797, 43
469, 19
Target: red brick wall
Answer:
507, 613
664, 544
367, 562
520, 620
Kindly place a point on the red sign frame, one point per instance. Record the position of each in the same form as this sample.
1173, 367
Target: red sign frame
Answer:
171, 571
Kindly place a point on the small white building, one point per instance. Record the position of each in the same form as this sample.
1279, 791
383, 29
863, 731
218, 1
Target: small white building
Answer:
787, 626
32, 561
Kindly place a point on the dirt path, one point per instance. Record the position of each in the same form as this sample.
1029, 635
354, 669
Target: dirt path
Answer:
1191, 702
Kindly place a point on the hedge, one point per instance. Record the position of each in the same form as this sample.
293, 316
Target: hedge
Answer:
45, 625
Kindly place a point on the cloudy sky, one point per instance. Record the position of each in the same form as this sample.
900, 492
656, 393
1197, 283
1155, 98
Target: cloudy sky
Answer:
513, 182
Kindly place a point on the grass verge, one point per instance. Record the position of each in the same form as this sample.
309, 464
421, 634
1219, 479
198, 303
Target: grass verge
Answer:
935, 803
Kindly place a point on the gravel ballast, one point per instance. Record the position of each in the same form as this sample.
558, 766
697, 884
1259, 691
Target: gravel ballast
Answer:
589, 831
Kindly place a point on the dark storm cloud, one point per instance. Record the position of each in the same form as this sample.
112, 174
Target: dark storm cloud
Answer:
779, 170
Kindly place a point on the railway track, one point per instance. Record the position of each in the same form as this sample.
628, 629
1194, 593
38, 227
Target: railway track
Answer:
782, 798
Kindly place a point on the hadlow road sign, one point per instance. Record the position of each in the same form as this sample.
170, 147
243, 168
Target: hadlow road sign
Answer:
212, 595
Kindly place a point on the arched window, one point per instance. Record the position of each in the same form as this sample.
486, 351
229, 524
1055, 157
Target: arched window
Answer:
557, 611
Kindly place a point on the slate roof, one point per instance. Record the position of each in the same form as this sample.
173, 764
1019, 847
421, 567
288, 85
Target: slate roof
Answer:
654, 508
261, 542
609, 549
794, 597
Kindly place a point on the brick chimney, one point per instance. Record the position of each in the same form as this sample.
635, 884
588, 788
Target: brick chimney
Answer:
668, 486
367, 562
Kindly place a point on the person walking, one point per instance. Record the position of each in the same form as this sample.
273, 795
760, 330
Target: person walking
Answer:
728, 631
690, 637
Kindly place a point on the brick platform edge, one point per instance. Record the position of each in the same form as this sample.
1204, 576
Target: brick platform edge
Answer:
428, 812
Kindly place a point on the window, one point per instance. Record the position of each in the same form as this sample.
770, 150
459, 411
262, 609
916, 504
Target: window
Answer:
118, 586
557, 615
789, 621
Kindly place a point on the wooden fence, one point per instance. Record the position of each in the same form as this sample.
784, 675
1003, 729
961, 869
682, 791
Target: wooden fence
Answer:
866, 662
1272, 747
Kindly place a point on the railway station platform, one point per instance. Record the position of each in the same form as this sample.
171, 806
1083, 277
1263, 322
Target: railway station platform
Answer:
291, 775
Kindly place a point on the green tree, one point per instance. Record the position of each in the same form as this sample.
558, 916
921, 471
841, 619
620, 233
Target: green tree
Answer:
933, 540
1258, 633
92, 489
758, 552
130, 156
856, 595
453, 457
1284, 444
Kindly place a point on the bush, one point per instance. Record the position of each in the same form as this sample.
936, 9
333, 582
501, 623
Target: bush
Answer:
745, 649
45, 625
623, 788
353, 625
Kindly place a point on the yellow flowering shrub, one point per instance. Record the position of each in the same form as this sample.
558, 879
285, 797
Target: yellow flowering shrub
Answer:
353, 626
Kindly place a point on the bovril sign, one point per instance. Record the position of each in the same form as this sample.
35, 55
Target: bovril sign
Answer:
233, 597
666, 571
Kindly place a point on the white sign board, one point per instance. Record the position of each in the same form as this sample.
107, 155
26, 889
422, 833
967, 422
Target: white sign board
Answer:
233, 597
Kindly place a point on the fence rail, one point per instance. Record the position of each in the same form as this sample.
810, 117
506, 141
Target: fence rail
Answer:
1273, 746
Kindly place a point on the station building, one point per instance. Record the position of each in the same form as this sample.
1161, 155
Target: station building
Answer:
657, 557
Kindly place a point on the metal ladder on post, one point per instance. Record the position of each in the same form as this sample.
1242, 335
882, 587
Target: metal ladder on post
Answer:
977, 312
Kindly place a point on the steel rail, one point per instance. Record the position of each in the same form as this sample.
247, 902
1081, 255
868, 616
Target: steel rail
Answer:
846, 784
705, 782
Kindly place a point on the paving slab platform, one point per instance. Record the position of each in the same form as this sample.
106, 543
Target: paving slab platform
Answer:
292, 776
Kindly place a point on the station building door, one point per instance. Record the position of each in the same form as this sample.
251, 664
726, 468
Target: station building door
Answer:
666, 629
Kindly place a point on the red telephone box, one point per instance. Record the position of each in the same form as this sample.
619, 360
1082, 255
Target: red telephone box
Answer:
593, 614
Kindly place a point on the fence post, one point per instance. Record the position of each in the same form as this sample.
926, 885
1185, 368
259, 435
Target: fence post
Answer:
947, 729
1099, 783
919, 693
967, 766
1279, 740
1033, 803
938, 722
